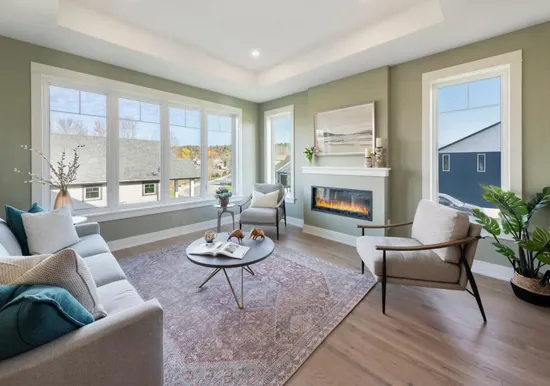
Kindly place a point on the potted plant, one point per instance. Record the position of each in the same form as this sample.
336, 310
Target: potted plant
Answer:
532, 245
309, 152
62, 175
222, 195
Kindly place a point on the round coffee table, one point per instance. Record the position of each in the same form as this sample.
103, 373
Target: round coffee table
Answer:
259, 250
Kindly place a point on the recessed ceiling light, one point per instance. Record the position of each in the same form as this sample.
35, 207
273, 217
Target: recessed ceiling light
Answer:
255, 53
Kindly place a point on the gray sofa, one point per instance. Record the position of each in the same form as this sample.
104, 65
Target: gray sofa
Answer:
124, 348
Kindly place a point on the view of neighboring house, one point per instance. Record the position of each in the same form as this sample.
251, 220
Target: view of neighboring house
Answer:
474, 158
282, 171
139, 170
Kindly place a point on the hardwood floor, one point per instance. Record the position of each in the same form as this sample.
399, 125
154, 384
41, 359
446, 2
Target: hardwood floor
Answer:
427, 337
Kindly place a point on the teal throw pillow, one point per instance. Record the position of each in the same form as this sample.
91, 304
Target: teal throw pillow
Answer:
31, 316
15, 222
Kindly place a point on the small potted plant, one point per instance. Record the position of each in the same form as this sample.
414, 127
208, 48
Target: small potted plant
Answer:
222, 195
532, 250
309, 152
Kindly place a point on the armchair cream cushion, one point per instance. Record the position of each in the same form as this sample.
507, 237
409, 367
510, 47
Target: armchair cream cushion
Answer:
415, 265
434, 223
264, 200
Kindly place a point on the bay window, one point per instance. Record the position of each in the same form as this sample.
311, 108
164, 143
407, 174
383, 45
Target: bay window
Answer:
279, 151
140, 150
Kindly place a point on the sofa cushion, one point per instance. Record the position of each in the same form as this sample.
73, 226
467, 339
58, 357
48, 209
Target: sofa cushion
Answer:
15, 222
434, 223
65, 269
258, 216
104, 268
90, 245
31, 316
8, 240
416, 265
118, 296
49, 232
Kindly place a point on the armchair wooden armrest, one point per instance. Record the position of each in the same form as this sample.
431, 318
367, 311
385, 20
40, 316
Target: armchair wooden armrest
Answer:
245, 203
281, 201
363, 227
426, 247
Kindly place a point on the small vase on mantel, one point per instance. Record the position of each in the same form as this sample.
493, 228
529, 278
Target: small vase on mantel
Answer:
62, 199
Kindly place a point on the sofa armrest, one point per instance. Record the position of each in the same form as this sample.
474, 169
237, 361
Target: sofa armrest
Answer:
87, 229
122, 349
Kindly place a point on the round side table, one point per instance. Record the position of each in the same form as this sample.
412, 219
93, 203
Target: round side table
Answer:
221, 211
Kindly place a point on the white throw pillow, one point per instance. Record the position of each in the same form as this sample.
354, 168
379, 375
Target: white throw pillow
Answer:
65, 269
261, 200
49, 232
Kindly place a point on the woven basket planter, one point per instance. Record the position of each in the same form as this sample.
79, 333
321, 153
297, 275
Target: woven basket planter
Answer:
530, 290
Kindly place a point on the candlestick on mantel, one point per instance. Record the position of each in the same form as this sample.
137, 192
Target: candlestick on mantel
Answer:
368, 152
379, 142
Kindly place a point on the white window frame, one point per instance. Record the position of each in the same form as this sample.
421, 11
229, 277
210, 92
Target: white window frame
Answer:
509, 68
42, 76
98, 187
448, 156
268, 143
479, 156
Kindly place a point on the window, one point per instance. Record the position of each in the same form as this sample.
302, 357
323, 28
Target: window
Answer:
481, 163
139, 148
79, 118
220, 151
92, 193
279, 154
472, 112
149, 189
446, 162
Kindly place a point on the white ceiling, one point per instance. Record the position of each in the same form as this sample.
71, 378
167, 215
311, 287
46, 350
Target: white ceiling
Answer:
303, 43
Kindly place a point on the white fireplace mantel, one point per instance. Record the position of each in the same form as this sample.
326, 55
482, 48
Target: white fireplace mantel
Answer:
346, 171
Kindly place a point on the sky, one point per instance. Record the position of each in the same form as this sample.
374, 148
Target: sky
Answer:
184, 123
467, 108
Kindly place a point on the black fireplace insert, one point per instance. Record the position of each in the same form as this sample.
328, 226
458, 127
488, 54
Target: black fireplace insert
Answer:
344, 202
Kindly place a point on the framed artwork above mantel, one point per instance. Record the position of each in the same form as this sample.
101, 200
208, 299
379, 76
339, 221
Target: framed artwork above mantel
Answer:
345, 131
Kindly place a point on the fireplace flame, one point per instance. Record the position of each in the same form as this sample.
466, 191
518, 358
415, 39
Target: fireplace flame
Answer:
342, 206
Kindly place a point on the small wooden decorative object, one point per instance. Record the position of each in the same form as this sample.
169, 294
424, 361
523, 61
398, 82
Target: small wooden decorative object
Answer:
209, 236
379, 158
256, 233
238, 233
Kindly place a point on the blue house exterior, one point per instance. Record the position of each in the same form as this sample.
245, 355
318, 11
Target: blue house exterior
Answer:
470, 162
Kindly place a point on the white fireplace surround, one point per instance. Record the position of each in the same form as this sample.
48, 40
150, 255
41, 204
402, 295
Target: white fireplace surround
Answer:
346, 171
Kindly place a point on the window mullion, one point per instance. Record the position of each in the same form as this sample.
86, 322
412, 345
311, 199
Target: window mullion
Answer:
164, 153
204, 153
112, 151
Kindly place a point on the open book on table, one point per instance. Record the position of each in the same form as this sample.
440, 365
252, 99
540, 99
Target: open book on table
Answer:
227, 249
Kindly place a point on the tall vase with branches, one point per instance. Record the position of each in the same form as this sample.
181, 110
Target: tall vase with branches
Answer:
62, 174
532, 251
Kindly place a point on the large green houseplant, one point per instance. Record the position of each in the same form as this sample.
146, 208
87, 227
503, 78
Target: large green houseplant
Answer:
532, 244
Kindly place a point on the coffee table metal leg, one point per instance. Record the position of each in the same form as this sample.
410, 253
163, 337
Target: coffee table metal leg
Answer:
240, 305
210, 276
249, 270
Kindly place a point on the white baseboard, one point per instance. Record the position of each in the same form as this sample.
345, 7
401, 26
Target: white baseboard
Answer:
297, 222
134, 241
495, 271
330, 235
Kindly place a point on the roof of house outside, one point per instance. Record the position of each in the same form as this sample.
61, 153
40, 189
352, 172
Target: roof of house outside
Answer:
139, 159
470, 136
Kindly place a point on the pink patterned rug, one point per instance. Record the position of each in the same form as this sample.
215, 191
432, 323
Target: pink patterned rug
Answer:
291, 305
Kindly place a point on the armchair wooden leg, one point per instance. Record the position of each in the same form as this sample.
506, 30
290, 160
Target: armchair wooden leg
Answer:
277, 230
362, 267
384, 283
240, 225
475, 290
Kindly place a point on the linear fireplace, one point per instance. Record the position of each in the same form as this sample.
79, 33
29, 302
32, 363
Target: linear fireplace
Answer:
343, 202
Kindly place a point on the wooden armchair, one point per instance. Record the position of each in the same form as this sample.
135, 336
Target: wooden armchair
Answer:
439, 253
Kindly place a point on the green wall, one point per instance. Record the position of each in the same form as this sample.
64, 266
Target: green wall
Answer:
400, 100
15, 129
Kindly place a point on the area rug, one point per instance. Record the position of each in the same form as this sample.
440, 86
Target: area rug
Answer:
292, 303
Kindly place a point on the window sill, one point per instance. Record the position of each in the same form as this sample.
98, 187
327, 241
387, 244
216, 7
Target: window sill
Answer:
123, 213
